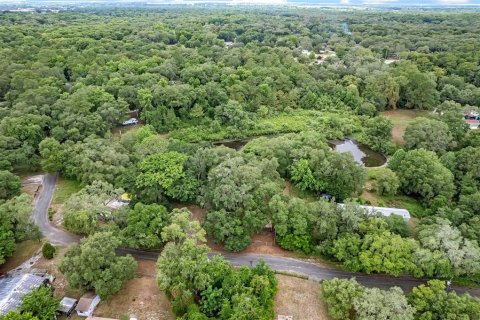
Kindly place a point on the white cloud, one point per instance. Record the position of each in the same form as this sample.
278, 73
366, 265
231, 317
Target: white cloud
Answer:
258, 1
453, 1
344, 1
378, 1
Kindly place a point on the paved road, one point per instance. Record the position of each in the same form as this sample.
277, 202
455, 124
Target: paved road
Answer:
300, 267
310, 269
40, 214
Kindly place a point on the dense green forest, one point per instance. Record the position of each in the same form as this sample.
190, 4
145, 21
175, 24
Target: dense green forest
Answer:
196, 77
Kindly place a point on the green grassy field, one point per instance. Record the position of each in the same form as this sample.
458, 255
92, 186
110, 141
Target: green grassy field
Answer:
400, 119
64, 189
330, 124
23, 251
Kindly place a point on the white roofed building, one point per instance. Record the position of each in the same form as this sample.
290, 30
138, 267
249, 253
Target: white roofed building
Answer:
386, 212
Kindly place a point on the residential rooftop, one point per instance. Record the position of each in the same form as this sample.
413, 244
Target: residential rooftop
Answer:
12, 289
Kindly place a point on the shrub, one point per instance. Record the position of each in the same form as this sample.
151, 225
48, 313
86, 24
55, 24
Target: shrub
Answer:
296, 243
51, 212
48, 251
387, 182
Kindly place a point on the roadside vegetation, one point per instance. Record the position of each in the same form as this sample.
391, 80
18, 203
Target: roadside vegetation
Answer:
346, 299
64, 188
197, 76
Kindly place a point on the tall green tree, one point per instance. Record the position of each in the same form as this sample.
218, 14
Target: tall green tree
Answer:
386, 182
422, 174
336, 173
53, 155
144, 226
383, 89
417, 89
85, 210
380, 304
94, 265
429, 134
15, 315
237, 196
378, 133
164, 174
40, 303
9, 185
432, 301
453, 255
16, 215
339, 295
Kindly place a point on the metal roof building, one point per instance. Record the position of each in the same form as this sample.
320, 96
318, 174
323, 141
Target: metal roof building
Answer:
13, 288
386, 212
67, 305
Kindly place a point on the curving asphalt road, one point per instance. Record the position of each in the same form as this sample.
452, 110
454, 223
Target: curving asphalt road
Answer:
304, 268
40, 214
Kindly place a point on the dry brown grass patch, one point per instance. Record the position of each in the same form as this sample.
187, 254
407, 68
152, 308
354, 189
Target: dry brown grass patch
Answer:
299, 298
140, 297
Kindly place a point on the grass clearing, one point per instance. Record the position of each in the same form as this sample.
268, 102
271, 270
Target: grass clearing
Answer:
23, 251
121, 130
402, 201
291, 190
294, 121
370, 197
139, 296
398, 201
299, 298
400, 119
64, 189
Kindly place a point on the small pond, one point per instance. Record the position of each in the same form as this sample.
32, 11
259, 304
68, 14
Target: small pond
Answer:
234, 144
361, 153
238, 144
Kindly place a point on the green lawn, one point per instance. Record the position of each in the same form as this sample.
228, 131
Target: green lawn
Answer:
23, 251
402, 201
64, 189
400, 119
306, 195
397, 201
121, 130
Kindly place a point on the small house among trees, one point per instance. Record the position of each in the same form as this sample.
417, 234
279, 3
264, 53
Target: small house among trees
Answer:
87, 304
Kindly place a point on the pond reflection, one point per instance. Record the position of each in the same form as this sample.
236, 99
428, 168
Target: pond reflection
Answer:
361, 153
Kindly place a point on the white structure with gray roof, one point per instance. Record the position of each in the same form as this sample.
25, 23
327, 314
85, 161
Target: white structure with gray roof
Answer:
386, 212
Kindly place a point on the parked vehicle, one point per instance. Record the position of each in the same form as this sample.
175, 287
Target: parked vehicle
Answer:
130, 122
472, 116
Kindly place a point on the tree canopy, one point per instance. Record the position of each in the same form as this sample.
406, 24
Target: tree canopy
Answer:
94, 265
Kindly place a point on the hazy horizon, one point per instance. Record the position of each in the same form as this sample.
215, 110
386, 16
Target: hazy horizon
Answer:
340, 3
